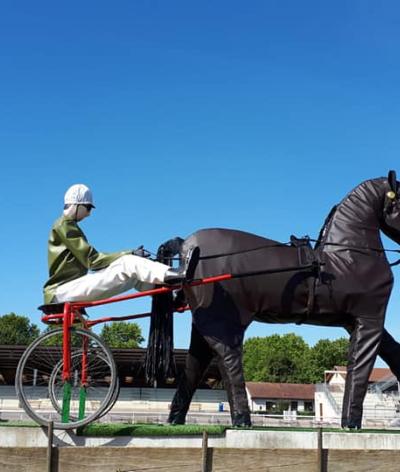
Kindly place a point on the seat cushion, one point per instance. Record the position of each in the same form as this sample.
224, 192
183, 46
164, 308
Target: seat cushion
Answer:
52, 308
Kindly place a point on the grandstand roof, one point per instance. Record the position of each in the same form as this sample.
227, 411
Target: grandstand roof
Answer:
129, 362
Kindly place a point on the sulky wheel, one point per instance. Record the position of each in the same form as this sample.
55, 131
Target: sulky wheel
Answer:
46, 397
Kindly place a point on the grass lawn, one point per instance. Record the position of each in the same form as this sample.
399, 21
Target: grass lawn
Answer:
145, 429
127, 429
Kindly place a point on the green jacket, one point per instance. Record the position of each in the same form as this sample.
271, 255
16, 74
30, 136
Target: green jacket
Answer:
70, 256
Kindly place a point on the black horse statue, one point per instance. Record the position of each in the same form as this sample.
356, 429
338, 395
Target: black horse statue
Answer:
345, 280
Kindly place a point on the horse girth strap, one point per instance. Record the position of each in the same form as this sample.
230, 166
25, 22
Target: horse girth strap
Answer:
307, 261
307, 257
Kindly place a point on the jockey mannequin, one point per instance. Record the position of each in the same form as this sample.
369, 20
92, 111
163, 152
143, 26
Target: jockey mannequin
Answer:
70, 258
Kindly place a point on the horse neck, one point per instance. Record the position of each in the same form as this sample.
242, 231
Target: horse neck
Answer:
356, 221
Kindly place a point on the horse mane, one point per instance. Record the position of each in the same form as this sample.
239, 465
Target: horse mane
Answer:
324, 229
325, 225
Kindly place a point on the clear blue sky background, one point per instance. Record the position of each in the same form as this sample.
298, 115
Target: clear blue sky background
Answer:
182, 115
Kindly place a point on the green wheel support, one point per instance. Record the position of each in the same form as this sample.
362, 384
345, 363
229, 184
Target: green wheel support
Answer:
66, 402
82, 402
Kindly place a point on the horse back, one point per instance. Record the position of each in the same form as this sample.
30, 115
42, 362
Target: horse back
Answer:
239, 300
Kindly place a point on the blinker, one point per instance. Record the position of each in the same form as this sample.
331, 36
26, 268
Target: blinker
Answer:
391, 195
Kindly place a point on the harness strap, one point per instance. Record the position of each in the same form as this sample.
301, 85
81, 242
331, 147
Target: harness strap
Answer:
271, 271
307, 255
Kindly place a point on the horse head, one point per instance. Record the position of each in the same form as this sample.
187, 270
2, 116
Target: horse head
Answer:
390, 224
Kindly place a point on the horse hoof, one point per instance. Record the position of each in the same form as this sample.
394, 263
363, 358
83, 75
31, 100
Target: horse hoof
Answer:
241, 420
351, 426
176, 421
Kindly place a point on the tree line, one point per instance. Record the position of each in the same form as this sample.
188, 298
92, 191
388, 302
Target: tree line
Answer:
276, 358
289, 359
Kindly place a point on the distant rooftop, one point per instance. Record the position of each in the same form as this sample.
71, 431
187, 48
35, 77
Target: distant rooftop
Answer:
378, 374
287, 391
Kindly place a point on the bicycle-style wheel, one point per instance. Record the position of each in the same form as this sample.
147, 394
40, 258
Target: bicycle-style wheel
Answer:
40, 386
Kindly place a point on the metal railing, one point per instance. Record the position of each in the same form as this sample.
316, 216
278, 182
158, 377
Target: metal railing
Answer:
323, 387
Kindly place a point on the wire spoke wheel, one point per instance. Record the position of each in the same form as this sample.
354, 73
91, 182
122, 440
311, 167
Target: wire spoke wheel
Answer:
88, 394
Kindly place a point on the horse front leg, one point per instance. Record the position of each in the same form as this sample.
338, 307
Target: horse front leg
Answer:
365, 342
197, 361
231, 367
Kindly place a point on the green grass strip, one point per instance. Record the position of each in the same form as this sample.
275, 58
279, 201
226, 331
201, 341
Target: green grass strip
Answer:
18, 424
127, 429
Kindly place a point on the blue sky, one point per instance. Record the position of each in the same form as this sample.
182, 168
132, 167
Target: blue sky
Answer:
183, 115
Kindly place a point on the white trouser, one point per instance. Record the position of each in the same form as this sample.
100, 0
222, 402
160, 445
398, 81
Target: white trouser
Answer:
123, 274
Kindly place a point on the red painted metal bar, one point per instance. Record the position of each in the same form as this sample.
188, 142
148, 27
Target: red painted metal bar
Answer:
155, 291
181, 309
50, 318
90, 323
211, 280
67, 342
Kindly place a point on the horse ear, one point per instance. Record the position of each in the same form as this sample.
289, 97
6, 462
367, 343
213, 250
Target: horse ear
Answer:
392, 180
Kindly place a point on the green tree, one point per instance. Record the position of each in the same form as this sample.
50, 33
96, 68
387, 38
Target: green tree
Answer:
277, 358
122, 334
325, 355
117, 335
288, 358
17, 330
255, 351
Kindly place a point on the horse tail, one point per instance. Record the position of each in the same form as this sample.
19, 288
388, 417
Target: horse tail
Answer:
159, 362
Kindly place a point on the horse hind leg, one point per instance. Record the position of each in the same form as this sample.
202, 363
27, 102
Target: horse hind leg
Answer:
365, 342
389, 351
197, 361
231, 367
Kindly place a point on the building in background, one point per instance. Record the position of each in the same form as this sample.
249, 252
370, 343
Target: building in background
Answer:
277, 397
381, 402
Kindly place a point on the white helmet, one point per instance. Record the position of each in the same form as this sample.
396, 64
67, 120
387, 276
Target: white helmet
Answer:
78, 194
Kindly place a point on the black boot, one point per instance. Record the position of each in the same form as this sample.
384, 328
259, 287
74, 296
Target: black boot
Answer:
185, 272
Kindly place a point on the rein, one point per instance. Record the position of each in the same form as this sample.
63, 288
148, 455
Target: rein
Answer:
224, 254
289, 244
355, 248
